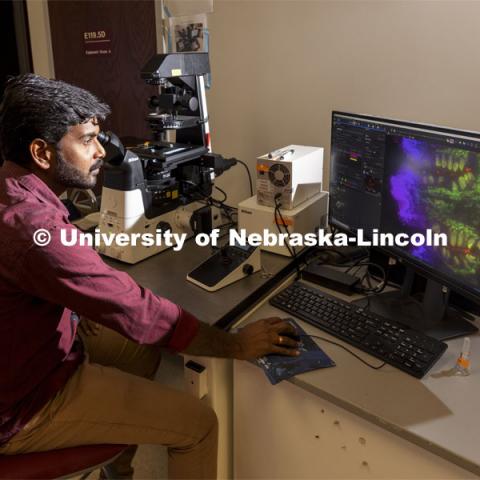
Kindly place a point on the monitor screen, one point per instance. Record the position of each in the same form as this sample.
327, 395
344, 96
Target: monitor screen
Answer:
400, 177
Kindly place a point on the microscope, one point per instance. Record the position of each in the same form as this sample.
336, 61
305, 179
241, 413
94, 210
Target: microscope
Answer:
163, 185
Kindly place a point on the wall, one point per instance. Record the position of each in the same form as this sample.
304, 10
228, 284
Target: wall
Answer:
9, 65
280, 67
129, 42
40, 42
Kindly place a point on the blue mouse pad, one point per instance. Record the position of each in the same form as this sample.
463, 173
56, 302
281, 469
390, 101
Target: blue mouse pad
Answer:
281, 367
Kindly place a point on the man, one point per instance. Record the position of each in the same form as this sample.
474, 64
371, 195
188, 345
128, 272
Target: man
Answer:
54, 392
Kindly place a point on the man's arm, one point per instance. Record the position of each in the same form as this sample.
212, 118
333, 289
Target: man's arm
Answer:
255, 340
78, 279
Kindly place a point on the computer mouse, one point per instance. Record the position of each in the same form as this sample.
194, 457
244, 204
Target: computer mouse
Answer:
293, 336
289, 334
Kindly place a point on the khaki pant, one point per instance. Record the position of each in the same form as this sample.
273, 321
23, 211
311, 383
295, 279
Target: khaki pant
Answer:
103, 404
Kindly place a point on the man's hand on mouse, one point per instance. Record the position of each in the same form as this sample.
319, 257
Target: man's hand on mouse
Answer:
266, 336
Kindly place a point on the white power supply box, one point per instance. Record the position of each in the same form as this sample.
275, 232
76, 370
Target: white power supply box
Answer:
295, 172
308, 217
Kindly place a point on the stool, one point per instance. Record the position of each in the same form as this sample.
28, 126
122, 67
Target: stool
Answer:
62, 463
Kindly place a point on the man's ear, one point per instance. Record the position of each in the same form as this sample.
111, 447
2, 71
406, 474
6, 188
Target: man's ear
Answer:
42, 154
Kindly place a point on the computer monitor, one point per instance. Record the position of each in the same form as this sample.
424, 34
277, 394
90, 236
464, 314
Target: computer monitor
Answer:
402, 177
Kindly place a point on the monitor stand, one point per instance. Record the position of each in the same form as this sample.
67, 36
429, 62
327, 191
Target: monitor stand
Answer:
431, 316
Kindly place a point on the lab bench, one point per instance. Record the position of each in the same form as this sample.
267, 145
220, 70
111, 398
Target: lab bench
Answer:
351, 421
348, 421
165, 274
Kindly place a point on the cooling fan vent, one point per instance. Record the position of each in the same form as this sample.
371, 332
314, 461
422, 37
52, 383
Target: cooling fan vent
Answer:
279, 175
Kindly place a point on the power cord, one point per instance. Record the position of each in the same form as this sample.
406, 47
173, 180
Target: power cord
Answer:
375, 367
223, 193
220, 204
248, 173
221, 164
278, 213
323, 255
291, 249
368, 277
359, 264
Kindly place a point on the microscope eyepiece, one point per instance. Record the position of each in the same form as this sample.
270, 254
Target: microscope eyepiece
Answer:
113, 146
103, 138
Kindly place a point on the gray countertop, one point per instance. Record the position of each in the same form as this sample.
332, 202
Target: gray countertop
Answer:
165, 274
439, 412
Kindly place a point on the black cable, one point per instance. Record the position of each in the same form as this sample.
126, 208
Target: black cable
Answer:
320, 255
359, 267
378, 367
290, 249
383, 283
220, 204
197, 187
227, 213
292, 253
249, 175
225, 225
204, 194
223, 193
230, 207
355, 264
359, 263
367, 276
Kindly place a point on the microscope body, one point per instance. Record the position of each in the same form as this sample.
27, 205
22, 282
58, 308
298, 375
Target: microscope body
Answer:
163, 185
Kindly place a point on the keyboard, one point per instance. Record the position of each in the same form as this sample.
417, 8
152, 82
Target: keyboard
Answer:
407, 349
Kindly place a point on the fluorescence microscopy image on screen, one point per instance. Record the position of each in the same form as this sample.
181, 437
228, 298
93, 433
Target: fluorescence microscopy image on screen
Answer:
436, 186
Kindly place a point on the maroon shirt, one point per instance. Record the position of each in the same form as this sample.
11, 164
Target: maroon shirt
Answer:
41, 287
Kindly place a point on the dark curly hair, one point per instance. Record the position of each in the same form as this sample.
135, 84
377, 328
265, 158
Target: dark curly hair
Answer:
36, 107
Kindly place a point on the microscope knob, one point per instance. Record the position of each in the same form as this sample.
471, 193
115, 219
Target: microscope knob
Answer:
247, 269
153, 101
164, 226
193, 104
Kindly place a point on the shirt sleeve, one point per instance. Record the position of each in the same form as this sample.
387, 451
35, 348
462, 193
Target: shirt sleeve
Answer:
77, 278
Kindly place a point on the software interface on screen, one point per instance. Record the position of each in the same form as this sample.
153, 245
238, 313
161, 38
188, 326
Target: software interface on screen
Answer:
409, 178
